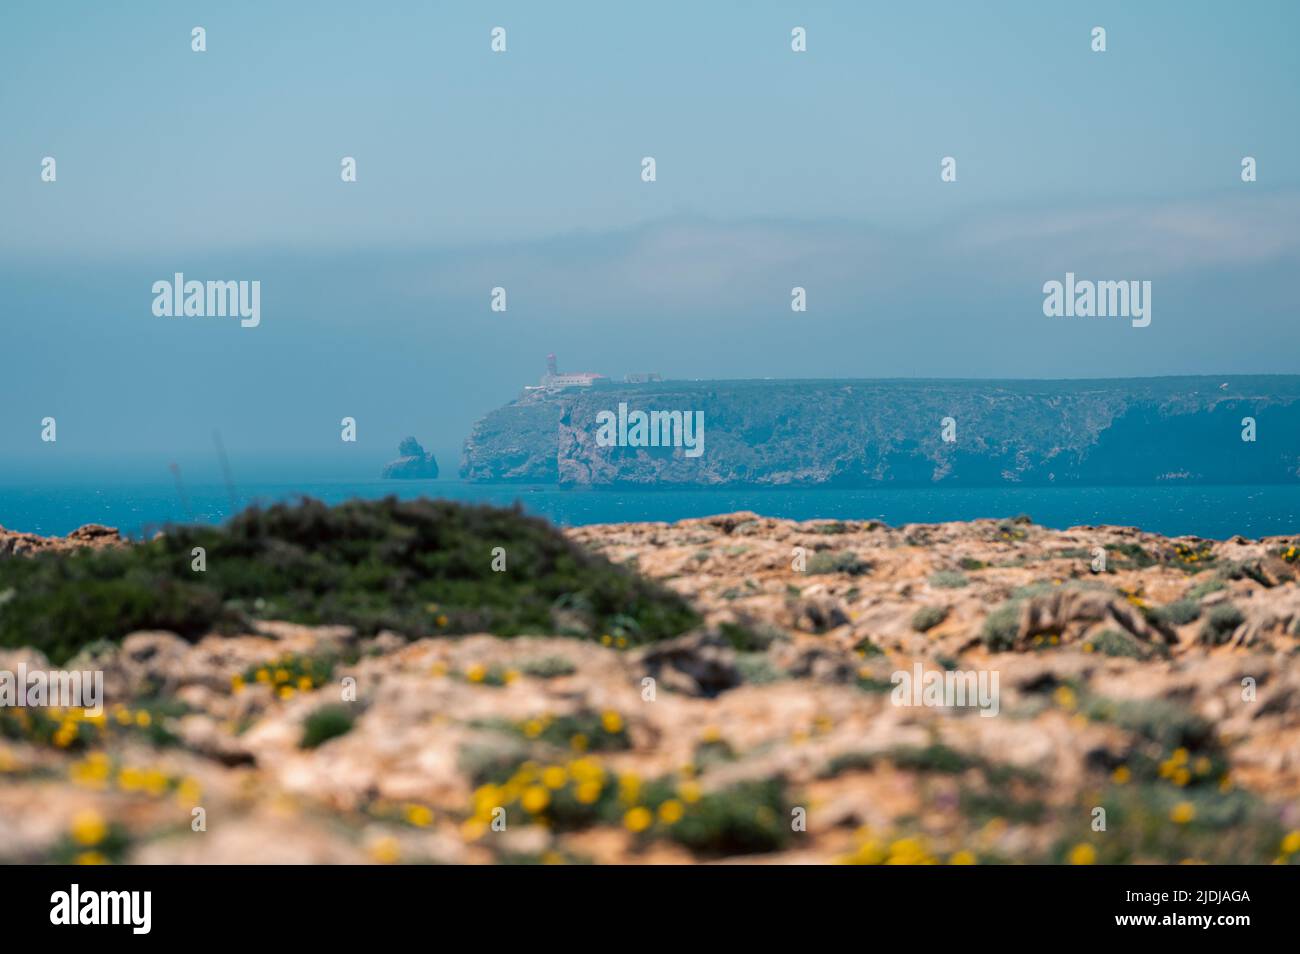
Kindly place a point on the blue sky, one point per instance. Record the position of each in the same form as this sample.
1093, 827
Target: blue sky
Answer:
522, 170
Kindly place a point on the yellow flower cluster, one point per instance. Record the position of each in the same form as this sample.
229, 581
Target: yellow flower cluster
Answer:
97, 772
911, 850
1177, 769
65, 727
69, 721
531, 787
482, 675
535, 788
1193, 554
88, 829
287, 675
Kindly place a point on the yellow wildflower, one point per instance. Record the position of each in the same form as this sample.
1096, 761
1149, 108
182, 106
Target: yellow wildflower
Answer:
670, 812
88, 828
385, 850
536, 798
419, 815
1083, 854
638, 819
554, 776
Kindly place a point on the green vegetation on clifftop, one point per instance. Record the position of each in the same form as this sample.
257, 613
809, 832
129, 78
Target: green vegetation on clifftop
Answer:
420, 567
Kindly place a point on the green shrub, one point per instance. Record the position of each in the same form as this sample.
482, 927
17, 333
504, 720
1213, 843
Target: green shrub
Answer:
420, 567
1204, 589
747, 818
1178, 613
932, 758
756, 669
1166, 723
948, 579
844, 561
1248, 570
745, 637
548, 667
1220, 623
1112, 642
1002, 626
1132, 553
582, 731
327, 722
928, 617
1013, 529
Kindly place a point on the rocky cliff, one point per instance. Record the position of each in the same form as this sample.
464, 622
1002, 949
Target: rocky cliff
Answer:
862, 432
1162, 689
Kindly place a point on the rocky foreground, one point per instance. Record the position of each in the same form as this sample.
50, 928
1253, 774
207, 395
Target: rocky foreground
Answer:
1157, 698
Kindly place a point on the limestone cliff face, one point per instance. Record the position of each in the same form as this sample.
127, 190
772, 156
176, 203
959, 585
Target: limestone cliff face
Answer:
849, 433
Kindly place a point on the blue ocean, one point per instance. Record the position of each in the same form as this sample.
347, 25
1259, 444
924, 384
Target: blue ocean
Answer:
137, 506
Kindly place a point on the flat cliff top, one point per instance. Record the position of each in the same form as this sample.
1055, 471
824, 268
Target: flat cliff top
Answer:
901, 432
1160, 685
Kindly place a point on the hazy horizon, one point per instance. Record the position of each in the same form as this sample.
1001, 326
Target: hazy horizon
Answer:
521, 170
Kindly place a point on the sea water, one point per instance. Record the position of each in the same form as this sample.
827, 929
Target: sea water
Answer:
138, 507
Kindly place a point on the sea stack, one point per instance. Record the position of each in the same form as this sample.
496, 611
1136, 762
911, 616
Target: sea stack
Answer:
412, 464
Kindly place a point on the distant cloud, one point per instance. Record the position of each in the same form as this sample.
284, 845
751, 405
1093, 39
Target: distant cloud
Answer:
697, 268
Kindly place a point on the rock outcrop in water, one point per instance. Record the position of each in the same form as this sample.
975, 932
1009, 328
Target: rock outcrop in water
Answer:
413, 464
861, 433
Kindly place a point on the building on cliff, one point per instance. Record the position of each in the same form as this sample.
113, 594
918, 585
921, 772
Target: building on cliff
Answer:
553, 380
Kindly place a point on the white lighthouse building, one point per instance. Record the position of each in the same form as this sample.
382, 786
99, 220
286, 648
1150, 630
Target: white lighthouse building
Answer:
553, 380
